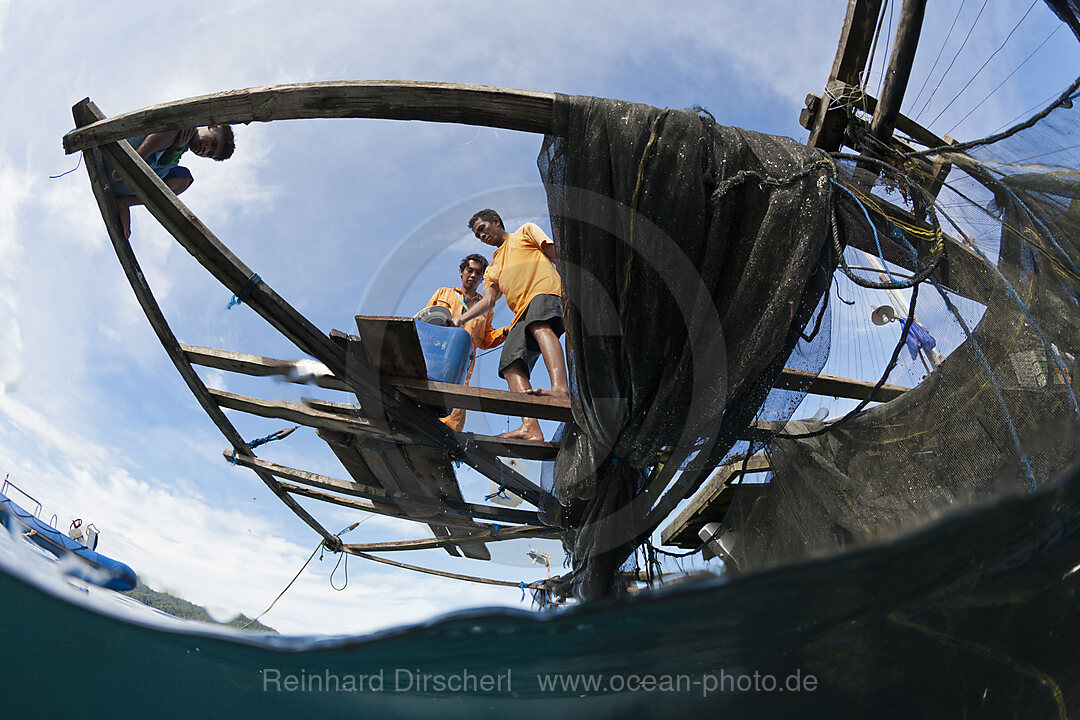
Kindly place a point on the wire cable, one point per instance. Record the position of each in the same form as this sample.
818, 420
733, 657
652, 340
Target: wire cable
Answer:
934, 65
1054, 32
958, 51
987, 62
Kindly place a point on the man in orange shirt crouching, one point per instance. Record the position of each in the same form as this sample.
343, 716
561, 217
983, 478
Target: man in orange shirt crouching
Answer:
460, 300
523, 269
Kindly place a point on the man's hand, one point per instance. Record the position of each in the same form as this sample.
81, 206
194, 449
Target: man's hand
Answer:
455, 322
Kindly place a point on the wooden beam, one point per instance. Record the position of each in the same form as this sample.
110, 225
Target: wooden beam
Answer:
906, 41
961, 269
440, 573
342, 418
194, 237
514, 533
484, 105
426, 392
310, 417
831, 385
503, 447
145, 297
868, 104
502, 402
411, 508
710, 491
852, 53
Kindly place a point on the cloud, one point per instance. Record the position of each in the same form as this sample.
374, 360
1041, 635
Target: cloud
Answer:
93, 414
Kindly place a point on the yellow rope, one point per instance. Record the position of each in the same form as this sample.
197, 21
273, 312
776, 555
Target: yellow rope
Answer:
1020, 667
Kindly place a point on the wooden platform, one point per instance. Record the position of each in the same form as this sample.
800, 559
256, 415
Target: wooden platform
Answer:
711, 503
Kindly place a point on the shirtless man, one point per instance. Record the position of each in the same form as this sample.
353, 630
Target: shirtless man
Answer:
162, 152
523, 269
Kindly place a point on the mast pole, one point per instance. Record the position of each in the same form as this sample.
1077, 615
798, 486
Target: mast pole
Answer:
896, 79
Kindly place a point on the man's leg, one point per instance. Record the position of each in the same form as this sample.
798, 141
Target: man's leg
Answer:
124, 203
553, 358
518, 380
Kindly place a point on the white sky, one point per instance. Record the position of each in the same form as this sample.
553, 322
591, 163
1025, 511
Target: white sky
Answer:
94, 420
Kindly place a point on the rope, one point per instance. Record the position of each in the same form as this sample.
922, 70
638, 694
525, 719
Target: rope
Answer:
336, 566
54, 177
256, 618
980, 104
983, 66
245, 292
279, 435
1020, 667
884, 377
836, 284
953, 62
1062, 99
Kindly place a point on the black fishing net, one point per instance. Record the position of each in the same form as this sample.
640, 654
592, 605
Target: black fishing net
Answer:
997, 415
697, 261
693, 257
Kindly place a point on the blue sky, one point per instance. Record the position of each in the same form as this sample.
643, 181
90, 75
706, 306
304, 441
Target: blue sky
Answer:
95, 422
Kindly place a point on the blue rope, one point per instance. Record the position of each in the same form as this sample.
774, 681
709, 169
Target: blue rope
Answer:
278, 435
836, 283
245, 292
523, 586
501, 492
877, 240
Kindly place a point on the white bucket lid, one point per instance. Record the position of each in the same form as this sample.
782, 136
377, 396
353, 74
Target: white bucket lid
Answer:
434, 315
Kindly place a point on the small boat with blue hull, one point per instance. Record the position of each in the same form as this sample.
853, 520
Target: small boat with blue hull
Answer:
93, 567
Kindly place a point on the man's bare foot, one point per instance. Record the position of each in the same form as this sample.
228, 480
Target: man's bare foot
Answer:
523, 433
561, 394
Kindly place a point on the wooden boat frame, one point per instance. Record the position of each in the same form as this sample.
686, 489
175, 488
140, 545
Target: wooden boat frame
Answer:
384, 395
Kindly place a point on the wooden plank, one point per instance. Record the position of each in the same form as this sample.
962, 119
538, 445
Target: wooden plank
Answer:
145, 297
852, 53
834, 386
391, 346
514, 533
688, 517
409, 507
502, 402
466, 104
440, 573
503, 447
687, 537
427, 392
304, 415
194, 237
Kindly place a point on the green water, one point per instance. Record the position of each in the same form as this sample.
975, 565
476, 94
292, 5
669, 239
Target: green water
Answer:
976, 615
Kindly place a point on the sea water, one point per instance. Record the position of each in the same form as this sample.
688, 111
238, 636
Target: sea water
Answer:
973, 615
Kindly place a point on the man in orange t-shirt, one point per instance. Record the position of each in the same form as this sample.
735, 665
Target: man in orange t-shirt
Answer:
523, 269
460, 300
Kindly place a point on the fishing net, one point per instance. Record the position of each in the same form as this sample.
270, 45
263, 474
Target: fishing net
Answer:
697, 262
693, 256
998, 415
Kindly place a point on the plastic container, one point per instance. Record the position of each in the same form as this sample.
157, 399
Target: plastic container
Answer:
447, 352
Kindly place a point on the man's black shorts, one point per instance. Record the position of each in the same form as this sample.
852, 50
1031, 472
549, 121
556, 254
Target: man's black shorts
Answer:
520, 344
